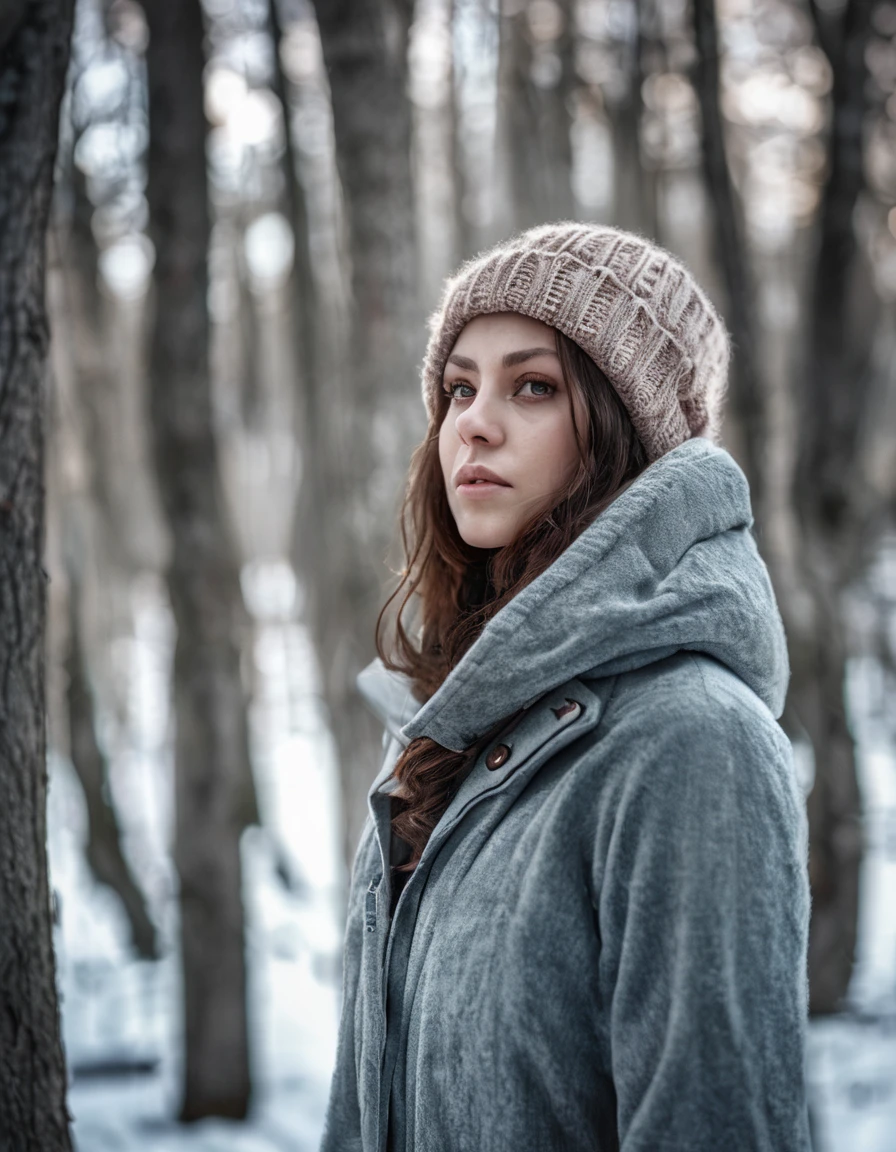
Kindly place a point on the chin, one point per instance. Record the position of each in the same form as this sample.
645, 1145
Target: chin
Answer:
485, 535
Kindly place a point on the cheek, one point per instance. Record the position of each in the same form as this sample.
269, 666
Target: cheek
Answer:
446, 449
555, 455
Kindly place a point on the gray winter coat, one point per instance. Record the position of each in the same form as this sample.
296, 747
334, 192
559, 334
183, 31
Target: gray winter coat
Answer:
604, 944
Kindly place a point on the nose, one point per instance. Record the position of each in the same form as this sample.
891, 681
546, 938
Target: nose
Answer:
480, 421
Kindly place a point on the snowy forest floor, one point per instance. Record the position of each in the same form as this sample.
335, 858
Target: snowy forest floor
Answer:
121, 1016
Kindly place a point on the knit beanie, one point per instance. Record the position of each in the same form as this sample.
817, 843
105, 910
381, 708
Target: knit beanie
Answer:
630, 305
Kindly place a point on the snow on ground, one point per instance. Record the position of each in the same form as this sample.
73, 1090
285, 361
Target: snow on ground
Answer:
852, 1057
121, 1016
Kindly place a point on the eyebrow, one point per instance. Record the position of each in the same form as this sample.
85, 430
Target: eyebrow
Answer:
509, 361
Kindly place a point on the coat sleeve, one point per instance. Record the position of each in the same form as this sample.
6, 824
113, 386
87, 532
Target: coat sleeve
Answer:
342, 1127
703, 912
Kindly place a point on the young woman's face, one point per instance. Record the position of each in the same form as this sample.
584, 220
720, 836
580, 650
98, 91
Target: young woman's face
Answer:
508, 426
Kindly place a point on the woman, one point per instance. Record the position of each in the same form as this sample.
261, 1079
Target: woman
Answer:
579, 910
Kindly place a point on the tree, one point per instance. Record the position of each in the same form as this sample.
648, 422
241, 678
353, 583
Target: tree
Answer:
836, 509
839, 512
214, 799
105, 856
535, 88
634, 194
364, 417
731, 252
80, 409
34, 50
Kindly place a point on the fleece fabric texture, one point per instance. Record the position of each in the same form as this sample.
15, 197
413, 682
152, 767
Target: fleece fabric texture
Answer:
604, 944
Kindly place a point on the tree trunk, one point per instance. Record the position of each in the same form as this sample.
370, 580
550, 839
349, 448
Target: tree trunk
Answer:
810, 598
34, 49
836, 509
86, 516
521, 173
535, 118
839, 332
214, 800
464, 245
372, 124
104, 854
816, 701
558, 110
324, 551
634, 204
364, 418
747, 396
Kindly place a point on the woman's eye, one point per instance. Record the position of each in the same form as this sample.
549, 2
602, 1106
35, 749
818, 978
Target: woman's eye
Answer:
451, 390
539, 387
461, 390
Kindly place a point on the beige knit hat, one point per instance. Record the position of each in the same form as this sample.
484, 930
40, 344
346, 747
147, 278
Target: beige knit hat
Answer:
632, 306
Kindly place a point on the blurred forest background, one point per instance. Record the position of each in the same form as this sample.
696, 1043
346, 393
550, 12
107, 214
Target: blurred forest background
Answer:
255, 204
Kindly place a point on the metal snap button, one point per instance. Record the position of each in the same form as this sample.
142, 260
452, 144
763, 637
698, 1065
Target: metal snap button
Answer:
499, 755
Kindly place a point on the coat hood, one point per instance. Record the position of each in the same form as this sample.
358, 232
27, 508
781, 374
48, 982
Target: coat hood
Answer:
670, 565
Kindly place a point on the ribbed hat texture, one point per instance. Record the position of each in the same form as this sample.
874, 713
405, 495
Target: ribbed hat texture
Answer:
633, 307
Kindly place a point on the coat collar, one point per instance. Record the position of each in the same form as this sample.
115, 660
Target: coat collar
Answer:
390, 698
539, 733
670, 565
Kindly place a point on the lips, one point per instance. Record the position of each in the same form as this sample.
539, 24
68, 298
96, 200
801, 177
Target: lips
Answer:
474, 475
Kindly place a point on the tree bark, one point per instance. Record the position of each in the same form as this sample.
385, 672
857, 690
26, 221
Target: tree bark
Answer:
730, 249
634, 204
463, 232
364, 419
303, 295
816, 701
34, 50
836, 511
86, 517
104, 853
834, 414
372, 124
214, 800
558, 112
324, 551
536, 121
522, 175
810, 598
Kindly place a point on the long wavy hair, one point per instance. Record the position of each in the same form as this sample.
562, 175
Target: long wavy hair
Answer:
455, 589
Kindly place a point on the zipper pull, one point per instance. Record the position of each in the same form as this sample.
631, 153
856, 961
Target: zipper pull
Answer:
370, 905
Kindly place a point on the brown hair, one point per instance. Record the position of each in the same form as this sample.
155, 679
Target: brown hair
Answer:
459, 588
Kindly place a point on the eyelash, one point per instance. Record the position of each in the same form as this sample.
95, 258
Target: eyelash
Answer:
448, 389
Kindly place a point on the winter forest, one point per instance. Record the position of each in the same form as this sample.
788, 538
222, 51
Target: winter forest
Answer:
222, 228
